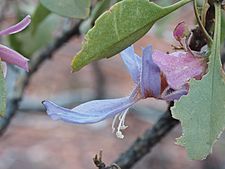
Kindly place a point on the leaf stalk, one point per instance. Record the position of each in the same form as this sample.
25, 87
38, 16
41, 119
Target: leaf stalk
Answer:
207, 36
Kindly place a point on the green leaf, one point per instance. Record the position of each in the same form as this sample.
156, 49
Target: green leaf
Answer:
68, 8
116, 29
39, 15
27, 43
2, 92
99, 8
202, 111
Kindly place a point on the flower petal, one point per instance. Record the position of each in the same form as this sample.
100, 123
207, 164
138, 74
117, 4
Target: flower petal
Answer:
90, 112
179, 67
170, 95
10, 56
4, 69
132, 62
150, 75
18, 27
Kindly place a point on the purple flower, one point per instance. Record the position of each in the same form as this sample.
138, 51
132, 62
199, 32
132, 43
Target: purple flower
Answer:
179, 67
10, 56
146, 76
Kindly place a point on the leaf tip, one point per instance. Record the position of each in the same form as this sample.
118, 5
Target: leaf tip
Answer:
77, 63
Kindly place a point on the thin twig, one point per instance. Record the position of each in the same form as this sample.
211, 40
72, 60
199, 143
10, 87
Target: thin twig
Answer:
101, 165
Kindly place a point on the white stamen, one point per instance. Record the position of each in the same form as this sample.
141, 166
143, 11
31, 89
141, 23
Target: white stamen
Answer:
119, 134
121, 125
113, 123
123, 116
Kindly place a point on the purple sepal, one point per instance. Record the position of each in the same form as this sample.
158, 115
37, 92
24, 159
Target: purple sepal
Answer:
132, 62
10, 56
170, 94
150, 75
18, 27
90, 112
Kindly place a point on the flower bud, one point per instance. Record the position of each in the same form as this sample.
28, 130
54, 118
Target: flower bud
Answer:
181, 31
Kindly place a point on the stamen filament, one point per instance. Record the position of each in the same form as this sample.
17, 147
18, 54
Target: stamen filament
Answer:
113, 123
121, 125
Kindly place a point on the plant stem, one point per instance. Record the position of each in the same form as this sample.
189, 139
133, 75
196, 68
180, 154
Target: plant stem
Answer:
203, 14
207, 36
217, 29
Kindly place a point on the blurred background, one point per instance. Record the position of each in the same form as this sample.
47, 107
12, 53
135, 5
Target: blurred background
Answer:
34, 141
